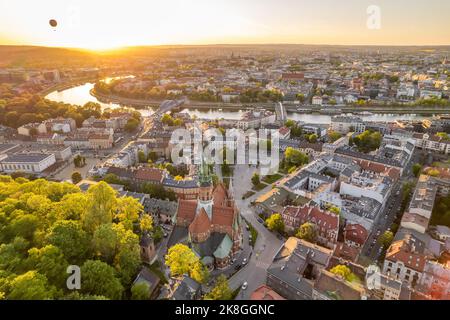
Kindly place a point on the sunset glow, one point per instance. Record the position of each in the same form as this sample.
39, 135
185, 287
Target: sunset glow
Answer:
109, 24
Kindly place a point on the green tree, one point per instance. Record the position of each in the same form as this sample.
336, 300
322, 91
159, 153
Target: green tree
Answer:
199, 272
31, 286
98, 278
76, 177
141, 156
50, 262
140, 291
334, 136
386, 239
295, 158
307, 231
128, 211
255, 179
275, 223
152, 156
312, 138
335, 210
146, 223
102, 204
180, 259
105, 242
368, 141
24, 225
71, 239
344, 272
79, 161
416, 169
132, 125
221, 290
72, 206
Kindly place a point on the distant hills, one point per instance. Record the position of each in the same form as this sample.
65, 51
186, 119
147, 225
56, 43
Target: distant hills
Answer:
36, 56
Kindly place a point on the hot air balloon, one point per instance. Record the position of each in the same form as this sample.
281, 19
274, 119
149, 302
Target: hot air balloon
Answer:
53, 23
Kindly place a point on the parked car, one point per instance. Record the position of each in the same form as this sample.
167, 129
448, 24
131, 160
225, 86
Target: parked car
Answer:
260, 220
244, 285
244, 262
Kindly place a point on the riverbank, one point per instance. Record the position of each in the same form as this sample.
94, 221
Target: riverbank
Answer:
293, 108
67, 85
136, 103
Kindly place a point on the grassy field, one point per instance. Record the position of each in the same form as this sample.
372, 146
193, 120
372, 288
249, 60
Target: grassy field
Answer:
259, 187
272, 178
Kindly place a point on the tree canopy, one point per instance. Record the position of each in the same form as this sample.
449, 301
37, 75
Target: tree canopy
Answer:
46, 226
275, 222
307, 231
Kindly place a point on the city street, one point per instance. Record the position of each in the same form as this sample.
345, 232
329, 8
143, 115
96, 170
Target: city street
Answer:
267, 244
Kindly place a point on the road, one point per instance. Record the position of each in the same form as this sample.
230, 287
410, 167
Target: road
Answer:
267, 244
372, 249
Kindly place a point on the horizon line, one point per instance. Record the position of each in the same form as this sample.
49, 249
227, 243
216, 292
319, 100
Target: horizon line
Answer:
226, 44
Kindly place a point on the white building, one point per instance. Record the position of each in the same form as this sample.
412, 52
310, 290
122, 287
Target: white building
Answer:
345, 124
29, 163
256, 119
317, 100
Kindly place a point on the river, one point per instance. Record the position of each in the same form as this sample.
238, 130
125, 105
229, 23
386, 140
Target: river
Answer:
79, 95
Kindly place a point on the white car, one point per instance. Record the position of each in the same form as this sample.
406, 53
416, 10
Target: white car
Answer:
244, 285
244, 262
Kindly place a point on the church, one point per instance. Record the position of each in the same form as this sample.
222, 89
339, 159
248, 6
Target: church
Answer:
211, 225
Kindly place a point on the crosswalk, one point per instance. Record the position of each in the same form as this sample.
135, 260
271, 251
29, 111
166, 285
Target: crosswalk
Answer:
261, 264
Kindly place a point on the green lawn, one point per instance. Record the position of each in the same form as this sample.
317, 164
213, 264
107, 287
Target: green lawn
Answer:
259, 187
272, 178
253, 233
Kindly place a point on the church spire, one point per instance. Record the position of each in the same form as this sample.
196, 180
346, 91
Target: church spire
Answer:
205, 178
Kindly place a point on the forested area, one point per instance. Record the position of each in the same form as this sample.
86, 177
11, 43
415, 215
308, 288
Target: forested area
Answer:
47, 226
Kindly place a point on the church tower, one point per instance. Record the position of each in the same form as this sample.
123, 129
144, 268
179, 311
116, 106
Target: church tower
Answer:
205, 195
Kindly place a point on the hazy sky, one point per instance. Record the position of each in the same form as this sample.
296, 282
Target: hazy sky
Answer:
111, 23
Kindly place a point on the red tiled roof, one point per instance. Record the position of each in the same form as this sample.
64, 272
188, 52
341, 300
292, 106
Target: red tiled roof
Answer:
265, 293
220, 195
293, 76
345, 252
400, 251
201, 223
149, 174
284, 130
186, 209
378, 168
322, 219
356, 233
222, 216
98, 136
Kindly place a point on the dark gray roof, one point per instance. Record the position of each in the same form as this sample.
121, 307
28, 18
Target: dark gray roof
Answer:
148, 277
188, 289
188, 184
138, 196
208, 247
28, 157
7, 146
